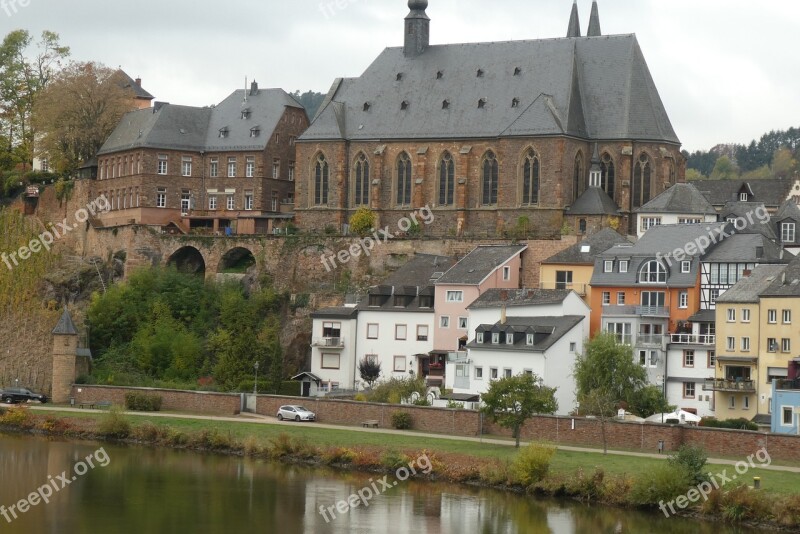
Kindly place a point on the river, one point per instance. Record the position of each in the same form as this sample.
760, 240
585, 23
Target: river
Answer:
136, 490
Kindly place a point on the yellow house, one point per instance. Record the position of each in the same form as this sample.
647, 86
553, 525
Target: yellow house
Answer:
744, 355
572, 268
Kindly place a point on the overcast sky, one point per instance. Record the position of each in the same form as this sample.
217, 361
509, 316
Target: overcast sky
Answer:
727, 70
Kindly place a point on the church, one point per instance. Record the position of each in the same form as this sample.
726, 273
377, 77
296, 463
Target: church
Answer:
491, 136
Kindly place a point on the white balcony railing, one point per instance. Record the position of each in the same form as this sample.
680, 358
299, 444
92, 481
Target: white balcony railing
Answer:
692, 339
328, 342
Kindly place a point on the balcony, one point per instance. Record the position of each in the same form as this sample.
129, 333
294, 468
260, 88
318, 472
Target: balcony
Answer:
788, 385
580, 289
328, 342
649, 339
734, 386
691, 339
652, 311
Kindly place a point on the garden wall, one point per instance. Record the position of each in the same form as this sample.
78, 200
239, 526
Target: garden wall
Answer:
576, 431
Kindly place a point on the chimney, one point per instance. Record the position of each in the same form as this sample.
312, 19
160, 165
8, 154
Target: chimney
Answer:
138, 82
254, 88
503, 314
418, 29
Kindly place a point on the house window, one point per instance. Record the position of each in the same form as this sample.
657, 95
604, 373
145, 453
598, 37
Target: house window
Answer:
623, 266
686, 266
276, 169
688, 358
479, 337
650, 222
231, 167
732, 402
688, 390
607, 169
620, 298
45, 165
479, 373
186, 166
161, 197
621, 330
490, 179
608, 266
275, 201
563, 279
372, 331
530, 179
712, 358
291, 171
731, 315
231, 203
683, 300
361, 183
745, 344
507, 373
455, 296
331, 361
213, 171
332, 330
399, 364
689, 220
422, 332
506, 273
425, 301
745, 315
403, 180
772, 344
444, 321
787, 316
787, 232
653, 272
493, 373
786, 345
648, 358
462, 323
372, 358
223, 133
746, 403
772, 316
606, 298
321, 182
509, 339
163, 160
787, 416
495, 338
573, 346
447, 180
250, 167
582, 226
212, 202
743, 197
400, 332
530, 339
248, 200
255, 131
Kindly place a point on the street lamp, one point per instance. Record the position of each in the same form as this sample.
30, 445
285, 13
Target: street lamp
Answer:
255, 384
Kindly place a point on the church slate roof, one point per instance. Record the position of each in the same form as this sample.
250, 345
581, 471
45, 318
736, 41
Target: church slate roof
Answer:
593, 201
591, 87
680, 198
175, 127
65, 326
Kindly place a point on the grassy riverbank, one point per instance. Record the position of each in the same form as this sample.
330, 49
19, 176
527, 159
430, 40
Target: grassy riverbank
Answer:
612, 479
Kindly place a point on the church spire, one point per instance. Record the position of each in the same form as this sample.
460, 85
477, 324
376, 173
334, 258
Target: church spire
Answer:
418, 29
594, 22
574, 29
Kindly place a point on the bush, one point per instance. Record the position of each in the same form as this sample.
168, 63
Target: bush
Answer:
664, 483
401, 420
532, 463
743, 504
394, 460
362, 222
733, 424
338, 456
17, 417
141, 402
394, 390
422, 401
151, 433
455, 405
114, 424
693, 459
360, 397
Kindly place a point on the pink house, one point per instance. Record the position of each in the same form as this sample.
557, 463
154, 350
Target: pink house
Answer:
486, 267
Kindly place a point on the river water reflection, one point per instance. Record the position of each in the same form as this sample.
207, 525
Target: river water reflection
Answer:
144, 490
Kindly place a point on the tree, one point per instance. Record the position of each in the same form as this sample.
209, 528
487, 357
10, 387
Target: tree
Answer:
694, 174
724, 169
760, 173
370, 370
77, 112
513, 400
602, 404
310, 100
608, 366
783, 163
649, 400
22, 79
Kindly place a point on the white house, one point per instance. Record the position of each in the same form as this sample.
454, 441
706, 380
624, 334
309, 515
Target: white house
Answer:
691, 358
680, 204
543, 334
333, 349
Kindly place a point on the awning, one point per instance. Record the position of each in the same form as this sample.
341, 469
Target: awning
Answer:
743, 359
439, 352
461, 397
310, 376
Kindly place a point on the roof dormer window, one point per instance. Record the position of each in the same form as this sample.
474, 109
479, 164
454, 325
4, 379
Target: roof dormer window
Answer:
517, 71
367, 106
245, 114
439, 75
404, 105
399, 76
480, 73
445, 104
743, 197
481, 103
515, 103
255, 131
223, 133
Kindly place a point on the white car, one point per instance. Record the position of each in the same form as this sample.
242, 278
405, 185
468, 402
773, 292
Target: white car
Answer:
295, 412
